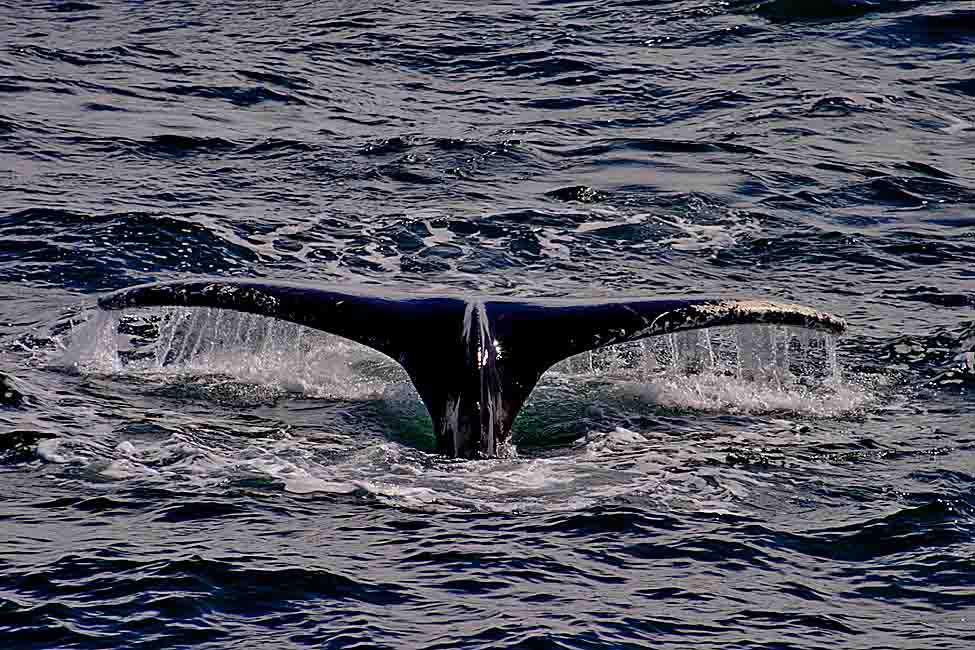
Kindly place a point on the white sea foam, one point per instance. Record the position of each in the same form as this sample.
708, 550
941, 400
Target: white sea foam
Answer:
741, 369
93, 346
249, 348
614, 464
48, 450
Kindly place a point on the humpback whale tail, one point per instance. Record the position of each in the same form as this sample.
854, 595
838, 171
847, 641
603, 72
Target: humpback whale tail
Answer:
473, 361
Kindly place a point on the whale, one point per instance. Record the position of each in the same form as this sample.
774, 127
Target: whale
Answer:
473, 360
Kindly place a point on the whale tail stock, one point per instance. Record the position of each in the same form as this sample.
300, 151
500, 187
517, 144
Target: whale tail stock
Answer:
473, 361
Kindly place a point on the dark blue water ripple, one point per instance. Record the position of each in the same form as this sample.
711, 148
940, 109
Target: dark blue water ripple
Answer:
50, 245
828, 10
816, 152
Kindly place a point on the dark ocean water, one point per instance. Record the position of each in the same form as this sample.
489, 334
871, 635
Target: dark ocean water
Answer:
282, 494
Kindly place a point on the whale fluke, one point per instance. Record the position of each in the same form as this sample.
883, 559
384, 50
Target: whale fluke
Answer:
474, 361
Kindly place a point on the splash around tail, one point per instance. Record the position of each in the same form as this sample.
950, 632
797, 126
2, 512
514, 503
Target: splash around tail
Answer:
473, 360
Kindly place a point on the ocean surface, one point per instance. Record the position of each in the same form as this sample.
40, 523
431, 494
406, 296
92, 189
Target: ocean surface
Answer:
164, 484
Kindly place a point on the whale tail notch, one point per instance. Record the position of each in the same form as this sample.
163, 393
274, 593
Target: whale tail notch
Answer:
474, 362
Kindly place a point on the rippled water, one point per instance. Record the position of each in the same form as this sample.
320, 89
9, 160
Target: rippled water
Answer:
167, 486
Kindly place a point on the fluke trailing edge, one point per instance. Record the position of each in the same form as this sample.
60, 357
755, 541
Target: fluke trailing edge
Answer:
473, 361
